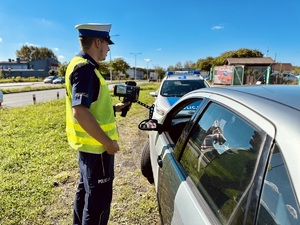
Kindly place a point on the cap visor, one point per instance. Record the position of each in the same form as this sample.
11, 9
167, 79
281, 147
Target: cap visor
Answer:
110, 42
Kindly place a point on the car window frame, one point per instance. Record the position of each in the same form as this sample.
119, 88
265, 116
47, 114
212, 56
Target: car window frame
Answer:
276, 150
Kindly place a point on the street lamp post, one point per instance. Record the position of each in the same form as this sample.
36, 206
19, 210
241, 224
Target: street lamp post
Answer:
147, 60
135, 63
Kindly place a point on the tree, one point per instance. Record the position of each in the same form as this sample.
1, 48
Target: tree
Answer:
171, 68
119, 65
62, 68
204, 64
296, 69
240, 53
189, 64
34, 53
160, 71
178, 66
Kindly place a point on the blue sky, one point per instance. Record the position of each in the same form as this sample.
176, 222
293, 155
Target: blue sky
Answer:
164, 31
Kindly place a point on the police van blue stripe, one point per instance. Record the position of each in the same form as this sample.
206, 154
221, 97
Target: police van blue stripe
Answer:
172, 100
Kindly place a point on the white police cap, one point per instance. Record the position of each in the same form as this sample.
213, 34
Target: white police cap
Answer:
95, 30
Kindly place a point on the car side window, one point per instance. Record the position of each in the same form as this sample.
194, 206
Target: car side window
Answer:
220, 157
278, 204
181, 116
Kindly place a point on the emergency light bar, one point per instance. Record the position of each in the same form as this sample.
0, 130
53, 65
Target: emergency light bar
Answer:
194, 72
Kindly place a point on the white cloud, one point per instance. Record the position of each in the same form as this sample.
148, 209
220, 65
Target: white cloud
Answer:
217, 27
29, 44
56, 49
1, 40
44, 23
61, 57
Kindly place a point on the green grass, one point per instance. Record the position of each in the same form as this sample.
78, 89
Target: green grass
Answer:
34, 151
38, 170
21, 79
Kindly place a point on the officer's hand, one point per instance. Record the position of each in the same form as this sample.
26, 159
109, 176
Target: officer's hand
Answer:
112, 148
121, 105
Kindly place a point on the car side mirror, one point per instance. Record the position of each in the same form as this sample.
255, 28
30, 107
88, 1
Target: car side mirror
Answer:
153, 94
149, 124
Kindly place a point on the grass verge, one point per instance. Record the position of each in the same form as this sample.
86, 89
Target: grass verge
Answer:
26, 89
39, 172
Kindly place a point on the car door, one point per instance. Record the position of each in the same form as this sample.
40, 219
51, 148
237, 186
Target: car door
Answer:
178, 121
213, 175
160, 144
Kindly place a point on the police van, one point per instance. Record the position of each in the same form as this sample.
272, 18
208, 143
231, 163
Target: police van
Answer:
174, 85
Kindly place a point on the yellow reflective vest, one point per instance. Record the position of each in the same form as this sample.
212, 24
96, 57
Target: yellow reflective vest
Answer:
102, 110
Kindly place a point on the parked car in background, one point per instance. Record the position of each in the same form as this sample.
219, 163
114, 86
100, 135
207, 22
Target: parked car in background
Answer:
173, 86
288, 78
235, 160
49, 79
283, 78
59, 80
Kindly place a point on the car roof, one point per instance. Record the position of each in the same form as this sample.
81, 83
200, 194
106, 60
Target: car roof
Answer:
283, 94
278, 104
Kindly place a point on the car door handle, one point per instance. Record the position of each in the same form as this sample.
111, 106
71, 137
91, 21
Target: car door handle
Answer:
159, 161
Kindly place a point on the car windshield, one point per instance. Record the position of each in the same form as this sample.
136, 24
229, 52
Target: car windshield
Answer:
178, 88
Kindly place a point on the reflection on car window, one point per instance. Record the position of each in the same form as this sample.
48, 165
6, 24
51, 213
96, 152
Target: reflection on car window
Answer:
278, 204
220, 158
181, 116
188, 110
178, 88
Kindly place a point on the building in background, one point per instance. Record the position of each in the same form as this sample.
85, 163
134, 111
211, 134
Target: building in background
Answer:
139, 73
285, 68
34, 68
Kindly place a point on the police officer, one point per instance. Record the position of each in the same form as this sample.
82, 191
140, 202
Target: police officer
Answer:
90, 125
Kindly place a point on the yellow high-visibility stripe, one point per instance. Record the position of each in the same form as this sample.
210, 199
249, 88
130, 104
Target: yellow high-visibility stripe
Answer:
88, 140
77, 127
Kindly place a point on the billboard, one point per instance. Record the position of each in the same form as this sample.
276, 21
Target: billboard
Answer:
223, 74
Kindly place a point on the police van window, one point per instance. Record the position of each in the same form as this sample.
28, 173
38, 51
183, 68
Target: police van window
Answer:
278, 203
220, 157
178, 88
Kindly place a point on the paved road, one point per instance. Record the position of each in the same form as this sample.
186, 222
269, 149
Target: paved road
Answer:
23, 84
26, 98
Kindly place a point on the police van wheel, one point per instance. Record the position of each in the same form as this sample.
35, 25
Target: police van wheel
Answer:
146, 163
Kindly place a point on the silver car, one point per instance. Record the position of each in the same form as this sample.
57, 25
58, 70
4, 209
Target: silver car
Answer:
59, 80
49, 79
234, 161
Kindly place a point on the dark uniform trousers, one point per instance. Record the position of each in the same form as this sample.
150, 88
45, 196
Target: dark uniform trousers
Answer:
94, 192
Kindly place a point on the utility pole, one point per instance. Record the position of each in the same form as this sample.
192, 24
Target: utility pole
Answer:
147, 60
